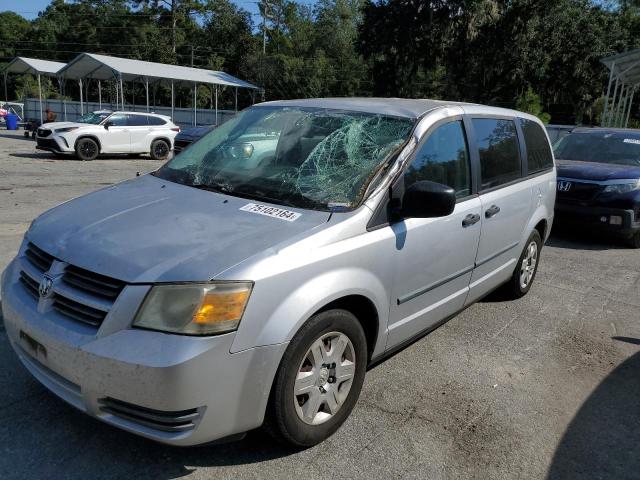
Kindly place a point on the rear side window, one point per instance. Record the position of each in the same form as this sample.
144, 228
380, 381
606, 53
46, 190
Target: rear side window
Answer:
137, 120
539, 155
156, 121
118, 120
443, 158
499, 153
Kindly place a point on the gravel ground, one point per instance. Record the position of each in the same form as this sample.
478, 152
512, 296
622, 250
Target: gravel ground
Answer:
546, 386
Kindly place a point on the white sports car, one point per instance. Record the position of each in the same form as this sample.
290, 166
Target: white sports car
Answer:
106, 132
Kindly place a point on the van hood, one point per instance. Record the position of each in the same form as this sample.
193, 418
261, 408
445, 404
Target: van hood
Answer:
595, 171
150, 230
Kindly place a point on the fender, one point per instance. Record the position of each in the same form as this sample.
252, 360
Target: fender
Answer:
291, 312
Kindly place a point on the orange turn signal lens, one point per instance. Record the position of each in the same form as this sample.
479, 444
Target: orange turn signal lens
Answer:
221, 307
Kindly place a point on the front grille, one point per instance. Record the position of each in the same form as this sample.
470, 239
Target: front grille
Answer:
80, 294
29, 284
49, 143
38, 257
78, 311
176, 421
579, 192
93, 283
44, 132
180, 145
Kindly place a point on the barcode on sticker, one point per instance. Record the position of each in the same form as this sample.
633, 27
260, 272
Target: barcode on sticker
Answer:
275, 212
632, 140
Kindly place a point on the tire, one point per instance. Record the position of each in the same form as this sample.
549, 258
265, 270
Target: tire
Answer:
634, 241
290, 418
524, 274
160, 149
87, 149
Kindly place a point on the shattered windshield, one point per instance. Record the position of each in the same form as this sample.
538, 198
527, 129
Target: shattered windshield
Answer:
618, 148
93, 117
302, 157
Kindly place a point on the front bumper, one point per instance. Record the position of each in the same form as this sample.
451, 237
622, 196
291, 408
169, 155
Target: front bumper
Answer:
599, 218
54, 143
174, 389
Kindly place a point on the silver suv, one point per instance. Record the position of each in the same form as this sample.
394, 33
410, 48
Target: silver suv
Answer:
253, 278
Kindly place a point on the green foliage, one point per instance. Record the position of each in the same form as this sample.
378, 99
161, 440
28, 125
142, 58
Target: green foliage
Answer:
526, 53
530, 102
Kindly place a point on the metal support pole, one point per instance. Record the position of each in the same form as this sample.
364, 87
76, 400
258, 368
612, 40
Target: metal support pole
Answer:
613, 102
64, 100
122, 93
61, 95
195, 104
216, 105
40, 97
236, 99
623, 106
146, 86
6, 86
606, 102
172, 102
626, 121
100, 95
81, 101
616, 118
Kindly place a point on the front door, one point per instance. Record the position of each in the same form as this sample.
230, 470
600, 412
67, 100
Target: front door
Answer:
116, 139
435, 256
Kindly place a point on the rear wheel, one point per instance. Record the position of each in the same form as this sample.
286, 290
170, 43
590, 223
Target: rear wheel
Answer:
319, 379
526, 268
160, 150
87, 149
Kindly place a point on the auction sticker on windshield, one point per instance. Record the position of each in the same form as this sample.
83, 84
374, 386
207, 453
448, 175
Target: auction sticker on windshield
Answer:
275, 212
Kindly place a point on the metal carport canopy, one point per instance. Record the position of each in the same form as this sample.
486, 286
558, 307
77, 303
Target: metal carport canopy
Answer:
32, 66
104, 67
624, 79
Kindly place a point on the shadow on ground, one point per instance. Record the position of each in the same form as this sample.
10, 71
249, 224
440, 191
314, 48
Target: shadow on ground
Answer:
583, 239
603, 439
17, 137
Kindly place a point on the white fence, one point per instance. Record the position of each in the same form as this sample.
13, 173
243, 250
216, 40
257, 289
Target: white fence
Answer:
71, 111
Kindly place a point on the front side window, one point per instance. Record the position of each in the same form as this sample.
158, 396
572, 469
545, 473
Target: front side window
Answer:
443, 158
621, 148
304, 157
539, 155
499, 153
118, 120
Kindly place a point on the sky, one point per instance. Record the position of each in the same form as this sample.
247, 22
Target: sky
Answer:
30, 8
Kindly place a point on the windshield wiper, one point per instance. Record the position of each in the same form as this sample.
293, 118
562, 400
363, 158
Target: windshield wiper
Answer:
219, 186
292, 199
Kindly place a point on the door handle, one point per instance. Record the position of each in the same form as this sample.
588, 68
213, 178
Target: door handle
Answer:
492, 211
470, 219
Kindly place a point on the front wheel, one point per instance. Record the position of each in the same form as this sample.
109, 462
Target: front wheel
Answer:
160, 150
87, 149
319, 379
634, 241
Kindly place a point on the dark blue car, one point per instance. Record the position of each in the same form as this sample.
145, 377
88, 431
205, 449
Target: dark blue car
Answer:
599, 180
189, 135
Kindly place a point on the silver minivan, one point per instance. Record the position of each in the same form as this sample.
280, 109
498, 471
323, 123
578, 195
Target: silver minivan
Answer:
253, 278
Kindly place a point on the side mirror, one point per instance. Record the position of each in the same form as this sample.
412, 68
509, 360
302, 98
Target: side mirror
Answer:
107, 125
427, 200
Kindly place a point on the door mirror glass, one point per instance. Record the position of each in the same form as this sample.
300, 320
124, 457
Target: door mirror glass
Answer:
427, 199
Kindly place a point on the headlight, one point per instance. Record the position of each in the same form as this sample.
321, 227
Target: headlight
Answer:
624, 186
66, 129
194, 309
241, 150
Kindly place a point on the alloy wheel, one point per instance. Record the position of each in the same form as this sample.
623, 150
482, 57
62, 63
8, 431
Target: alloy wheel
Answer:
528, 265
324, 378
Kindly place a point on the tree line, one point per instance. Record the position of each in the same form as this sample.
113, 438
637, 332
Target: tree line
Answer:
542, 56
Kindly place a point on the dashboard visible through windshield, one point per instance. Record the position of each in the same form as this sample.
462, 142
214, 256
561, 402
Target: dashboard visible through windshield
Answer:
303, 157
